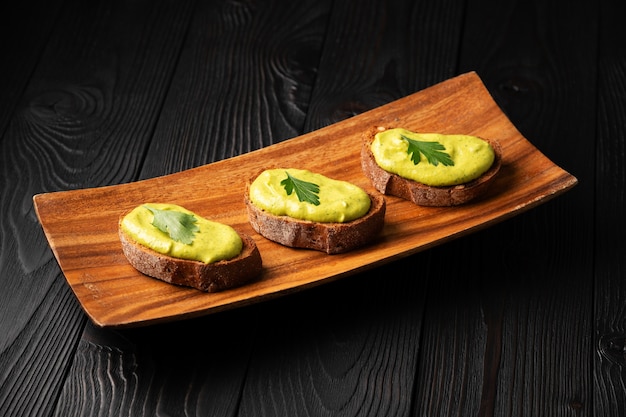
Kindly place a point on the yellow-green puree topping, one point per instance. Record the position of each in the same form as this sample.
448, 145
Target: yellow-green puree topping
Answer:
306, 195
433, 159
172, 230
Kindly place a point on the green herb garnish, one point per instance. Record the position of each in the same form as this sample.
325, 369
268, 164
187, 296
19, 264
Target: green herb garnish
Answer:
179, 226
431, 150
306, 191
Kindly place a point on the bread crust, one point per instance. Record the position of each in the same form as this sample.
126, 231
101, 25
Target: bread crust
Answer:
217, 276
421, 194
331, 238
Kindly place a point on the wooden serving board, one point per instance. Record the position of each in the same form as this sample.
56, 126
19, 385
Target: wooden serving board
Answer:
81, 225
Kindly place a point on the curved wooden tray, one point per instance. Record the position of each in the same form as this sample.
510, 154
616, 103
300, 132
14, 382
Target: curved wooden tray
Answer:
81, 225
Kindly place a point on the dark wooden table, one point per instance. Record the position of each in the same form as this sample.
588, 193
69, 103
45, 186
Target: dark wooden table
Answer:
525, 318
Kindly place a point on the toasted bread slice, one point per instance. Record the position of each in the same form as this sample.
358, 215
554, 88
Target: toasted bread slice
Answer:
331, 238
421, 194
211, 277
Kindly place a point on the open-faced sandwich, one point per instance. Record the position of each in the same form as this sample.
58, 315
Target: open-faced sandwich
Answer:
175, 245
429, 169
302, 209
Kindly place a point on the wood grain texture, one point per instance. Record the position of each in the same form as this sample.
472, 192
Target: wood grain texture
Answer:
22, 249
84, 235
320, 355
517, 289
387, 50
524, 318
610, 290
68, 129
31, 22
198, 367
100, 76
243, 82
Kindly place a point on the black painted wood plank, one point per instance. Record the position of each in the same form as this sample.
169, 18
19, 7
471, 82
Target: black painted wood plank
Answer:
38, 349
194, 367
396, 48
244, 82
610, 266
346, 348
24, 29
351, 348
487, 335
509, 320
84, 118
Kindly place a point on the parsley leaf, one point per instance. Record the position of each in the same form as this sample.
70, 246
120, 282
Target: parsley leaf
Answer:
306, 191
179, 226
431, 150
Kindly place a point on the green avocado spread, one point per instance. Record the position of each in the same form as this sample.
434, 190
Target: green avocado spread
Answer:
471, 157
339, 201
212, 241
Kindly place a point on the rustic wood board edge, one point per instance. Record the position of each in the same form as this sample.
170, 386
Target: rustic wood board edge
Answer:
81, 225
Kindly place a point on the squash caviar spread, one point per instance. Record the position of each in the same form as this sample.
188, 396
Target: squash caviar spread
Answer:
212, 241
471, 157
338, 201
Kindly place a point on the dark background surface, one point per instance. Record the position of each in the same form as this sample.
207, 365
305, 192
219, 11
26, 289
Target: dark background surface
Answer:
526, 318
